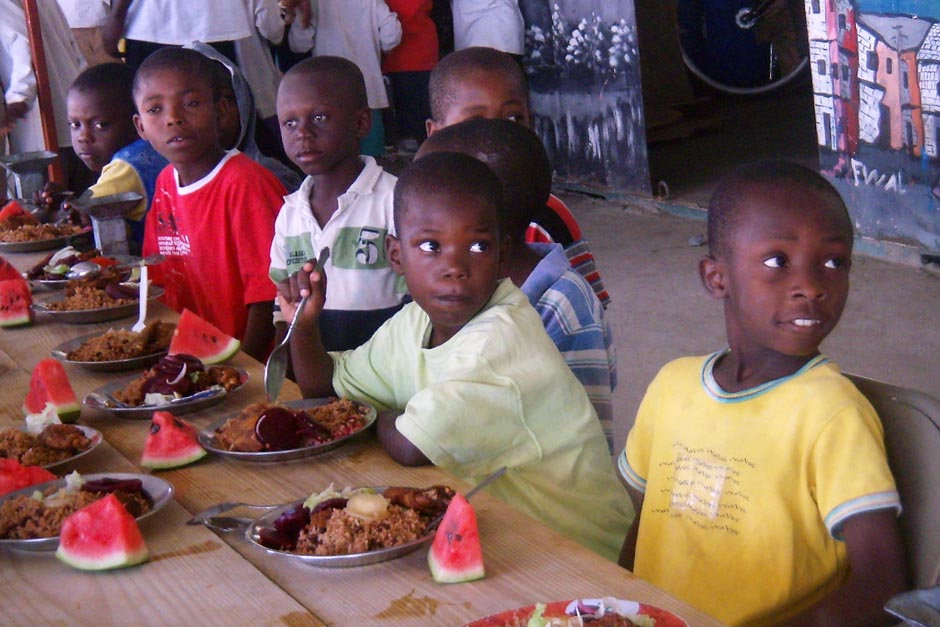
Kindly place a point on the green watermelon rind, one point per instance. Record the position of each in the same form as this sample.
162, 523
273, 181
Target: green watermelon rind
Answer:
465, 518
117, 559
17, 321
21, 316
67, 411
192, 346
165, 463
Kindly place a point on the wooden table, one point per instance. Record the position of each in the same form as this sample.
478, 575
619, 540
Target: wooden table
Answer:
197, 577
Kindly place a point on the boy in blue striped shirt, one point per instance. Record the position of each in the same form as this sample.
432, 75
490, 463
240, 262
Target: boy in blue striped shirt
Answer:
570, 311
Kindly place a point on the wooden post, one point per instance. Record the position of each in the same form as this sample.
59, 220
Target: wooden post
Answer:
44, 95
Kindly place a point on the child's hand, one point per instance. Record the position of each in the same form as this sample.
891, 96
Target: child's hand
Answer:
302, 283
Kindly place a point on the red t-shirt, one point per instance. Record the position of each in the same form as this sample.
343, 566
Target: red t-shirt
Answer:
418, 49
216, 235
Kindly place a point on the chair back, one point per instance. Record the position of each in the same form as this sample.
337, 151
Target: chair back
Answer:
911, 422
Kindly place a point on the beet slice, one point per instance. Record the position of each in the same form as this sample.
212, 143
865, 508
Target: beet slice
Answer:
276, 429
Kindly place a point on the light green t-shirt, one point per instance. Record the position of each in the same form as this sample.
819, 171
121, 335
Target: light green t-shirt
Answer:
498, 393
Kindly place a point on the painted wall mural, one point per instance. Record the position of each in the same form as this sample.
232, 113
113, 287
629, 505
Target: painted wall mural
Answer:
584, 72
876, 83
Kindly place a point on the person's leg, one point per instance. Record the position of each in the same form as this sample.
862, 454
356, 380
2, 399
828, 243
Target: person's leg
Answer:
412, 106
374, 143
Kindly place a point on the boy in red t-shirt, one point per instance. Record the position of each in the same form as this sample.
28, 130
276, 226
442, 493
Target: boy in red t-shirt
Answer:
213, 211
479, 82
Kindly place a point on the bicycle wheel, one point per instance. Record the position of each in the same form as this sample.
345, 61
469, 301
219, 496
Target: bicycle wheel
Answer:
732, 51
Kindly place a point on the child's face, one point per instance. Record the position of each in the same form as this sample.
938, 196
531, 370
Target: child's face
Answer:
785, 273
179, 116
319, 128
482, 94
98, 127
449, 251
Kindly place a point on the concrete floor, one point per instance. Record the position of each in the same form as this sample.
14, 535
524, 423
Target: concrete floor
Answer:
660, 312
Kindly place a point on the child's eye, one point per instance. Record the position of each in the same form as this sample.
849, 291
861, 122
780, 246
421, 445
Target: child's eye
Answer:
289, 123
835, 263
191, 103
429, 246
319, 117
101, 125
74, 125
479, 247
516, 117
777, 261
153, 110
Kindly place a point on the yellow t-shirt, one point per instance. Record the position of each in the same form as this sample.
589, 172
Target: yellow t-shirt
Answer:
498, 393
745, 493
118, 177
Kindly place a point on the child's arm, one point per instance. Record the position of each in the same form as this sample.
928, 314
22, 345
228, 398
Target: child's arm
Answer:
628, 551
313, 367
389, 27
877, 572
259, 333
398, 446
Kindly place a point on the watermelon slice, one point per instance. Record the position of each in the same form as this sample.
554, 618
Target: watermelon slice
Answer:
15, 301
49, 384
11, 210
455, 554
101, 536
7, 271
170, 443
15, 476
197, 337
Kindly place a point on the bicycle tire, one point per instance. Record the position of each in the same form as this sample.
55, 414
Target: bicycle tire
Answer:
733, 60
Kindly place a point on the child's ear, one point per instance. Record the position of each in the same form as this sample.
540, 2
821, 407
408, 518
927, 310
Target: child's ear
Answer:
712, 273
393, 253
139, 126
363, 123
431, 126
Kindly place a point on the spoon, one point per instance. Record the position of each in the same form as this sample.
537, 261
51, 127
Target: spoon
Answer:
83, 269
276, 368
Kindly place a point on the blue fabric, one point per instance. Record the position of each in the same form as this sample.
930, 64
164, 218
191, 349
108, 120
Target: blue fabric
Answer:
148, 163
574, 318
373, 144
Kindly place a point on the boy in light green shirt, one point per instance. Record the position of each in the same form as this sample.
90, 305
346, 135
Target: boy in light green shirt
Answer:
472, 378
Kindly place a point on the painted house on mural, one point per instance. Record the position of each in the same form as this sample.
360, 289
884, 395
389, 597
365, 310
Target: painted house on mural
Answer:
876, 82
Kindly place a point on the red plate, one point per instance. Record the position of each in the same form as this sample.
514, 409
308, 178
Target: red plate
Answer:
557, 609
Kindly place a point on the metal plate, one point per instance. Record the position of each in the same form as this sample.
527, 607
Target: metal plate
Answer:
159, 491
92, 434
113, 365
207, 436
58, 284
84, 316
41, 244
185, 405
565, 609
331, 561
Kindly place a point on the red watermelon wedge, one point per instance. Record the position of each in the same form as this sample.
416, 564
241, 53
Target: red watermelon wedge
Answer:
49, 384
15, 476
197, 337
101, 536
456, 555
11, 210
170, 443
7, 271
15, 303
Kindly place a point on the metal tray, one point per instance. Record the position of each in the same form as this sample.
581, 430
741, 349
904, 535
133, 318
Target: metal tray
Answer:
41, 244
185, 405
84, 316
58, 284
92, 434
113, 365
207, 436
159, 491
331, 561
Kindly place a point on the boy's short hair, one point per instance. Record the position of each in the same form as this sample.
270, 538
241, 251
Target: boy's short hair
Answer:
733, 188
457, 64
194, 64
446, 172
114, 79
514, 153
344, 76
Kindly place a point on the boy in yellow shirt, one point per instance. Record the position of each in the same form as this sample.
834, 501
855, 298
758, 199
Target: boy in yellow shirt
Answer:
465, 376
759, 471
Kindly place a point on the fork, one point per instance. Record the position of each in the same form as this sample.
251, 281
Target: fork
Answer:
276, 367
140, 325
211, 512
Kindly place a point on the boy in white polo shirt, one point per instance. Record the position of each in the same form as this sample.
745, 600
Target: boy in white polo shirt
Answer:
344, 203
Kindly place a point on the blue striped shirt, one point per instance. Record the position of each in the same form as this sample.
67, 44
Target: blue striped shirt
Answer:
574, 319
